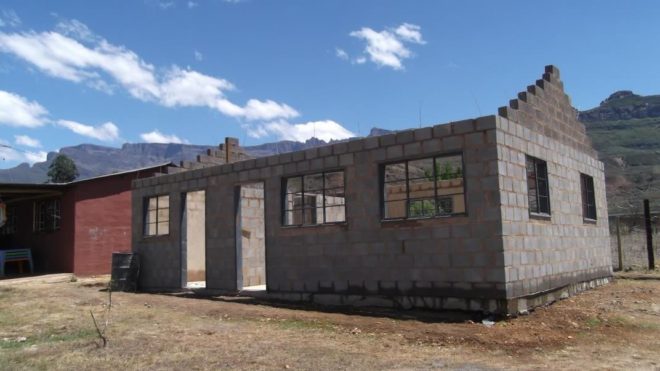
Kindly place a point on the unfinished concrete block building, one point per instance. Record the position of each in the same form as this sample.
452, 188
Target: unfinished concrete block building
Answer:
499, 214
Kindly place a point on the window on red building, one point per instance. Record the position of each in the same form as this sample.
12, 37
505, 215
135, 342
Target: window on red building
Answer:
46, 216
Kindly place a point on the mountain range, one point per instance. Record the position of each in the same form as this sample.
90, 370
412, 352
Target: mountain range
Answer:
624, 128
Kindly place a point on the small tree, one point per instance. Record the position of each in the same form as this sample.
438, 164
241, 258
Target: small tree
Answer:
62, 170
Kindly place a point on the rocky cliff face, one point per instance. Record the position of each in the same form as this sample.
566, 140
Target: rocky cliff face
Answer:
625, 130
93, 160
623, 105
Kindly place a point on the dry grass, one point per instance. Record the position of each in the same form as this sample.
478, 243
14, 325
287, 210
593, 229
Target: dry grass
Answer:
616, 326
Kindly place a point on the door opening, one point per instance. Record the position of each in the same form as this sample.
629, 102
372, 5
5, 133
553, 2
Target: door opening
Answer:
251, 238
193, 240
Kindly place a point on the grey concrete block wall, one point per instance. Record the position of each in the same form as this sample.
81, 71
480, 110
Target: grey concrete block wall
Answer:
632, 233
547, 254
541, 254
494, 257
459, 256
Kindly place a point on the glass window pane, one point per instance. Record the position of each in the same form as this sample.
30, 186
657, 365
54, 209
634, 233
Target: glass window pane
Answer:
449, 167
421, 188
163, 228
450, 187
153, 203
312, 215
421, 208
531, 168
395, 191
151, 229
446, 206
313, 182
163, 201
541, 170
313, 200
533, 201
151, 216
163, 215
543, 187
293, 201
335, 214
421, 169
294, 185
334, 180
335, 197
293, 217
395, 172
395, 209
544, 205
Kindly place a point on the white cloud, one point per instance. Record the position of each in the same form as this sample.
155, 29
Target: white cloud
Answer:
192, 4
24, 140
77, 30
8, 153
199, 56
9, 18
387, 47
268, 110
106, 132
166, 4
325, 130
158, 137
18, 111
341, 54
32, 157
74, 53
191, 88
410, 32
256, 110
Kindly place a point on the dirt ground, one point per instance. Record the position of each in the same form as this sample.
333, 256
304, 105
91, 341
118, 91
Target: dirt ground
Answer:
45, 323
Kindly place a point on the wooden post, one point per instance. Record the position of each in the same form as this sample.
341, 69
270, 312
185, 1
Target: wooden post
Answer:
649, 234
618, 242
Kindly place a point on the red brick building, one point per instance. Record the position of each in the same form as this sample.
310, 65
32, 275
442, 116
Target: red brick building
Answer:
73, 227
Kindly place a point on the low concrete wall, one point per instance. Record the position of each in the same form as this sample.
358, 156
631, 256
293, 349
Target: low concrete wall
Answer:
633, 240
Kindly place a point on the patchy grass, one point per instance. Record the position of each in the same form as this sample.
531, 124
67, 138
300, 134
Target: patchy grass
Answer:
615, 326
51, 336
593, 322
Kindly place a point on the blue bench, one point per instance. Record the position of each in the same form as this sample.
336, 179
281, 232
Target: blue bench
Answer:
15, 255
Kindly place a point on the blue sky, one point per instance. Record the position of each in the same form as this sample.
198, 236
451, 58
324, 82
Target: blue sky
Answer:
196, 71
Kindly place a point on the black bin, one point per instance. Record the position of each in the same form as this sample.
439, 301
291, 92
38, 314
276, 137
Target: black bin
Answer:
125, 271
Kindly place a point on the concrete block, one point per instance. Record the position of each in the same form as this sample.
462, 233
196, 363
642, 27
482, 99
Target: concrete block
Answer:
404, 137
412, 149
339, 148
423, 134
442, 130
486, 123
462, 127
356, 145
371, 143
346, 159
394, 152
311, 153
452, 143
387, 140
432, 146
325, 151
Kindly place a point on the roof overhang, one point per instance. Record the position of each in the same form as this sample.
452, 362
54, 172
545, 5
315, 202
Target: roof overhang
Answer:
13, 193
